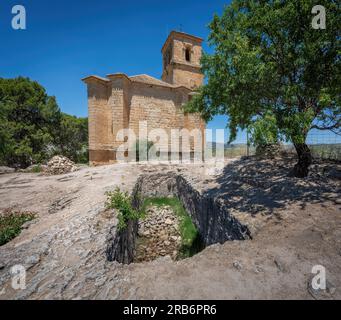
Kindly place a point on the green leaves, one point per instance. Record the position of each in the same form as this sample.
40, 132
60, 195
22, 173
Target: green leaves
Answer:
26, 125
264, 130
268, 58
121, 201
32, 127
72, 138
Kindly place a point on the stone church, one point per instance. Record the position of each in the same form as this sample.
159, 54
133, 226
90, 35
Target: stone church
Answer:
120, 102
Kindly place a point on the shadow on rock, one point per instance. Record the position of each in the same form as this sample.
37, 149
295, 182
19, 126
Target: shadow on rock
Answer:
252, 185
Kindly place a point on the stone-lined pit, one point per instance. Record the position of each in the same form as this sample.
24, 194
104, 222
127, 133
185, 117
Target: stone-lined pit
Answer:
158, 234
209, 215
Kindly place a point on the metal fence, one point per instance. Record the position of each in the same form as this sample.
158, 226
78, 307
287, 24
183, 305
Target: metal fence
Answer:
323, 145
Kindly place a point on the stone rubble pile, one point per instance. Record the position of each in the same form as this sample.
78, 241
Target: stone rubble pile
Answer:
159, 235
269, 151
60, 165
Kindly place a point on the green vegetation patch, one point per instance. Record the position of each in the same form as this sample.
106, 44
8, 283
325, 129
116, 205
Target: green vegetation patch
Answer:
121, 201
191, 242
36, 168
11, 223
33, 129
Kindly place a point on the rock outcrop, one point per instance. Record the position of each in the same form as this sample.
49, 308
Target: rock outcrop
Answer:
269, 151
4, 170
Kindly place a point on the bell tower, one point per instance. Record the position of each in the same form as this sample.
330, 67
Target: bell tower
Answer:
181, 60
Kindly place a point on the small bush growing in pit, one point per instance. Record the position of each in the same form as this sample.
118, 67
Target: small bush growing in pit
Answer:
121, 201
11, 223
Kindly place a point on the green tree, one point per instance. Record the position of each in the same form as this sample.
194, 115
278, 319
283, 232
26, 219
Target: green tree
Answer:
33, 129
264, 131
268, 58
72, 138
28, 118
4, 134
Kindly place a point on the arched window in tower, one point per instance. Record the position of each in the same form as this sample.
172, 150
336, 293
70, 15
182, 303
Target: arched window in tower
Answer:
188, 54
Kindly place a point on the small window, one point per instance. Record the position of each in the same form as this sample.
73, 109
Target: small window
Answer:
188, 54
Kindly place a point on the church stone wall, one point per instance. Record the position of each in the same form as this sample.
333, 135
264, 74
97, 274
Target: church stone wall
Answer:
187, 76
180, 71
160, 107
119, 102
179, 47
100, 117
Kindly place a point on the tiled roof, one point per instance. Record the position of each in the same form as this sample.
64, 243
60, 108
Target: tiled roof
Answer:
96, 78
141, 78
144, 78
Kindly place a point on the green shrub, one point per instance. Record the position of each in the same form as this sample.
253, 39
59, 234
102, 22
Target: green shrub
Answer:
146, 146
121, 201
11, 223
37, 169
33, 128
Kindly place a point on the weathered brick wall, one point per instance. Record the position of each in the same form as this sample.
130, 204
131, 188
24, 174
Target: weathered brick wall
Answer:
100, 118
159, 106
179, 48
117, 102
179, 71
122, 105
187, 76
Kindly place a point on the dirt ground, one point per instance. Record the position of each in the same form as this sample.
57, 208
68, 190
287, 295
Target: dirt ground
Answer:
295, 224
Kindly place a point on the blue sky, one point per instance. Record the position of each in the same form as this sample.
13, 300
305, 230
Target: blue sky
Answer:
68, 40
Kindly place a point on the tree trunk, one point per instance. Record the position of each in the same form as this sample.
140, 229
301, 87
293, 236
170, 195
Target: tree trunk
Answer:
301, 169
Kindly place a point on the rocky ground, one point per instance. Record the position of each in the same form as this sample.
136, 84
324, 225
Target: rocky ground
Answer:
159, 235
295, 224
